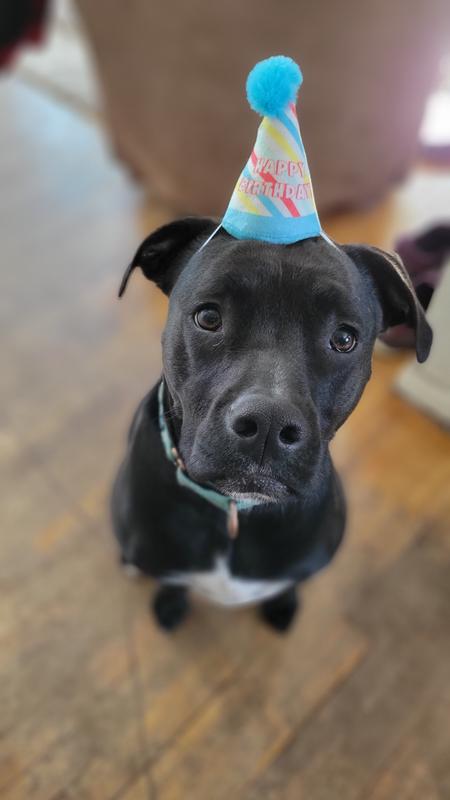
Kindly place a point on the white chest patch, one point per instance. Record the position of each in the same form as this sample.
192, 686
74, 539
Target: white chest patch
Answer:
221, 587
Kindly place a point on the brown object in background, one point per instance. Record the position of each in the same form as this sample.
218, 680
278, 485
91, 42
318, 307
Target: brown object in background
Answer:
173, 76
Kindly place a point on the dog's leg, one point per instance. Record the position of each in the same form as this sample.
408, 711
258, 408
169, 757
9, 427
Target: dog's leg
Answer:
170, 606
279, 611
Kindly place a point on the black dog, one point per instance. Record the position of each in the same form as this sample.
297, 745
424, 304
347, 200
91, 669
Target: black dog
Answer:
266, 352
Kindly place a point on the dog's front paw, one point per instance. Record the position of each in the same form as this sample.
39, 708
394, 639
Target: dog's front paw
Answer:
170, 606
280, 611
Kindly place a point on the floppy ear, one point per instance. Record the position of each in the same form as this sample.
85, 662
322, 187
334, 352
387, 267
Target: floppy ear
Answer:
398, 299
162, 254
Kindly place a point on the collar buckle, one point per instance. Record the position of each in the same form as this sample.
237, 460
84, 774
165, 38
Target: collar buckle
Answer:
233, 520
178, 461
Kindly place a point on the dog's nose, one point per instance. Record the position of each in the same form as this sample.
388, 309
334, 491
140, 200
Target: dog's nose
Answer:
256, 422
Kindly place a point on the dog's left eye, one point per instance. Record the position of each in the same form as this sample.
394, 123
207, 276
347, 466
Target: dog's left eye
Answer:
344, 339
208, 318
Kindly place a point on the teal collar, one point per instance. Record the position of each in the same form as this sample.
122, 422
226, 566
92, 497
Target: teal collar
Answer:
226, 504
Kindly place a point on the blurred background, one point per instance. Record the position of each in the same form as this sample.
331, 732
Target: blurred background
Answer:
114, 118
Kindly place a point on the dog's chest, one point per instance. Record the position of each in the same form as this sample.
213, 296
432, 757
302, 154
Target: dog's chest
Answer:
220, 586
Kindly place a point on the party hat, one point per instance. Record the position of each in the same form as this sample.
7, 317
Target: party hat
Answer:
273, 199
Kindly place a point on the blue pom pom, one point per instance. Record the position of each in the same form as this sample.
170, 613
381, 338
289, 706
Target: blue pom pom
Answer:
272, 84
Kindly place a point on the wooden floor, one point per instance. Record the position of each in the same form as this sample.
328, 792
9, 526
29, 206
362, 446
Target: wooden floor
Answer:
94, 701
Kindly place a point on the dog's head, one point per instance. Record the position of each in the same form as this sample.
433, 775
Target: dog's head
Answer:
267, 348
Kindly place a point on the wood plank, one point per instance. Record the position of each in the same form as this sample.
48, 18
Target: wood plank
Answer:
252, 719
69, 705
420, 767
343, 748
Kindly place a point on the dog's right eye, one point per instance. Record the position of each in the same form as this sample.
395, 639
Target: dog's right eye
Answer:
208, 318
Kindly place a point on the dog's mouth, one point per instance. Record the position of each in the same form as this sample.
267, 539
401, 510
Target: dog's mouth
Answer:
258, 488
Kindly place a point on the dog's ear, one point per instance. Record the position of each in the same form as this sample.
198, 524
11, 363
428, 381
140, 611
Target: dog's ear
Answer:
162, 254
393, 285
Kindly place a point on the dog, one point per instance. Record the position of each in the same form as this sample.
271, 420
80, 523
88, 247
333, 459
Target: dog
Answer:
227, 486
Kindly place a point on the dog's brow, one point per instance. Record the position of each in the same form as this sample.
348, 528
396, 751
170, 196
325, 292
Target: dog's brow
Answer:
332, 297
230, 282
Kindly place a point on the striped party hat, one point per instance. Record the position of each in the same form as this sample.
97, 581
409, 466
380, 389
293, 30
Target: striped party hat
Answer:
273, 199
